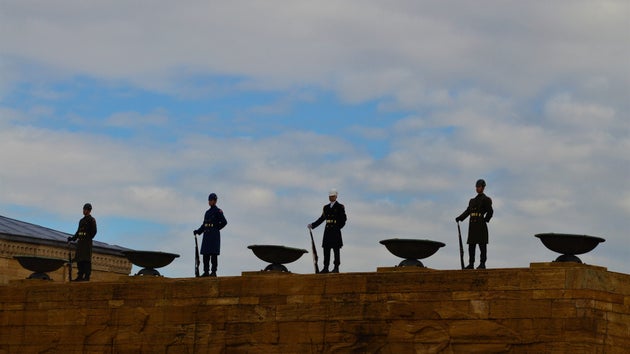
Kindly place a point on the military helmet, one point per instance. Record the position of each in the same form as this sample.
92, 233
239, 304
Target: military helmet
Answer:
87, 206
480, 183
212, 196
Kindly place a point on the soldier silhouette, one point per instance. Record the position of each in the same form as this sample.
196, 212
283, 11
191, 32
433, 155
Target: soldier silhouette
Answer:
334, 213
213, 222
480, 212
84, 235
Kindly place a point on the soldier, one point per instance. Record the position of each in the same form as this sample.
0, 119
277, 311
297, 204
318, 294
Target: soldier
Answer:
85, 233
213, 221
335, 215
480, 211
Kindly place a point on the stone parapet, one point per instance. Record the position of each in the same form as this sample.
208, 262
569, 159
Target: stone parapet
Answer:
545, 308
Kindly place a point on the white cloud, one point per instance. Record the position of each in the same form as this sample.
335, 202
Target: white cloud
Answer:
532, 101
361, 49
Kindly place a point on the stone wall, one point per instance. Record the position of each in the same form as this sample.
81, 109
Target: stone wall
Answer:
547, 308
104, 266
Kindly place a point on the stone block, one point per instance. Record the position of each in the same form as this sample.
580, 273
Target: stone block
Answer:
344, 283
179, 315
249, 300
222, 301
299, 312
263, 284
211, 314
542, 278
345, 311
563, 308
411, 310
272, 299
13, 335
11, 295
302, 285
491, 295
483, 332
250, 313
230, 286
354, 336
191, 291
304, 299
604, 296
301, 332
456, 310
520, 309
251, 335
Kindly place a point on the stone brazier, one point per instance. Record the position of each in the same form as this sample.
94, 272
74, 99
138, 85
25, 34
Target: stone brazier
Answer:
412, 250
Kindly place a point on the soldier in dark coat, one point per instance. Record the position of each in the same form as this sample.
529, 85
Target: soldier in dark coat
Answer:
85, 233
334, 214
480, 211
213, 222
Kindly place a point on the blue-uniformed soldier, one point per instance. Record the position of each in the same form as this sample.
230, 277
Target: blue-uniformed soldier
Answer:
85, 233
334, 214
480, 211
213, 221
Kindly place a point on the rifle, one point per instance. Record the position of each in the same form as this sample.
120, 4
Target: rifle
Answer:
315, 258
69, 262
461, 246
196, 256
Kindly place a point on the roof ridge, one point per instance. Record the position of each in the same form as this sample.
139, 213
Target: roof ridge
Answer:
34, 225
16, 230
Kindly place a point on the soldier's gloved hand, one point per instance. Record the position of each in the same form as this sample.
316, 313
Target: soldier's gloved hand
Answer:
309, 226
457, 219
487, 220
195, 232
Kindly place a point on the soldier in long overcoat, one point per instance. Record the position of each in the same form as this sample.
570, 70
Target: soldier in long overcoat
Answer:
334, 213
84, 235
213, 222
480, 212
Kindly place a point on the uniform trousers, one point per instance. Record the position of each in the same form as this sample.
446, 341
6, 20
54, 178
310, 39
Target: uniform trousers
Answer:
206, 262
483, 252
337, 260
85, 270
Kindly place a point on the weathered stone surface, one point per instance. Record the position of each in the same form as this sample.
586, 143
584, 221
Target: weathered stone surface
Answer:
551, 309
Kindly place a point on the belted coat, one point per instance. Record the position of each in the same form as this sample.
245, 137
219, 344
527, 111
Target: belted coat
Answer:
213, 222
335, 218
84, 235
480, 212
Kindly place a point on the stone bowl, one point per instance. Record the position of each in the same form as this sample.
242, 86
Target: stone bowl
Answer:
40, 265
149, 260
568, 245
412, 250
277, 255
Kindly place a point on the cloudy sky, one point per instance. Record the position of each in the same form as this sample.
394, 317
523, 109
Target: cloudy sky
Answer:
145, 107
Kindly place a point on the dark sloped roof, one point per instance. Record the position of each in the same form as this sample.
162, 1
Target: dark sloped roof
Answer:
20, 231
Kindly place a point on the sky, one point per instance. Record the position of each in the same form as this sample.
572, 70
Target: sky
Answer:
143, 108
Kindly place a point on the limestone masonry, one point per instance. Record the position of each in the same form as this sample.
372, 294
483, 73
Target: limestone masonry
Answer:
546, 308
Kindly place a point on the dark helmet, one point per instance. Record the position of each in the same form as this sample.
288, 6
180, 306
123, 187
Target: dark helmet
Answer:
480, 183
87, 206
212, 196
